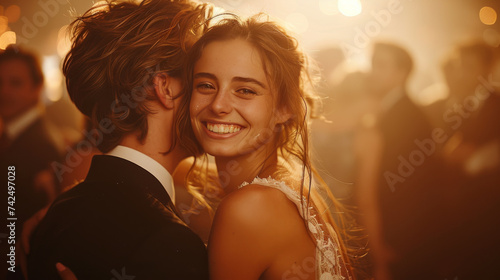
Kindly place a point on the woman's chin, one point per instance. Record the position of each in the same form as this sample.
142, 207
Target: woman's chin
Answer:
221, 153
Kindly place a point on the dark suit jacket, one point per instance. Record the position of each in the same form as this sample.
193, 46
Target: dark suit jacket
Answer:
30, 153
119, 221
473, 241
411, 211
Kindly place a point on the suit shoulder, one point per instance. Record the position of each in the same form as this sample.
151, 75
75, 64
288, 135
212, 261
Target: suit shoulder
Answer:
172, 250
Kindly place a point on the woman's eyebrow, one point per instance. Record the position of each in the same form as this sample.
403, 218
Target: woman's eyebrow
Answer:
249, 80
204, 75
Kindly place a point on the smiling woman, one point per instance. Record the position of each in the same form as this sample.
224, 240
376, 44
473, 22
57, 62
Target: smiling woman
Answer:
248, 107
232, 104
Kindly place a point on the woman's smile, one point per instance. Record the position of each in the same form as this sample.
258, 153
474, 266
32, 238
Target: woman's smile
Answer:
217, 130
221, 128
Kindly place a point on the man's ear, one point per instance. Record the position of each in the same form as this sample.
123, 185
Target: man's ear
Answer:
163, 89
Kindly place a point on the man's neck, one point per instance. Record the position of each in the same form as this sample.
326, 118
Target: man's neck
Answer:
156, 149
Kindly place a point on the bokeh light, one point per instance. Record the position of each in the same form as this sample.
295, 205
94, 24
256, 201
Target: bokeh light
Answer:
350, 8
7, 38
53, 77
297, 22
328, 7
488, 15
13, 13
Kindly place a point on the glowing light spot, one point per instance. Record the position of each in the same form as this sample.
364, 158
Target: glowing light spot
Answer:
7, 38
53, 77
328, 7
13, 13
297, 22
488, 15
350, 8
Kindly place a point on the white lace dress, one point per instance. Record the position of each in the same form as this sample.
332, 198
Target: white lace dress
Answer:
329, 261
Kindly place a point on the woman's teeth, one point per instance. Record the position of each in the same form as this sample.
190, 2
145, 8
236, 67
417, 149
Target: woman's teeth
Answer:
223, 128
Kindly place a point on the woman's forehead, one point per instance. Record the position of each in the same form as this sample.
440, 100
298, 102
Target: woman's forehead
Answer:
235, 57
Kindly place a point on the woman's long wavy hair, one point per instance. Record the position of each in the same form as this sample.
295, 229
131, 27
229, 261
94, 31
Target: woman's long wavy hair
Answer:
287, 71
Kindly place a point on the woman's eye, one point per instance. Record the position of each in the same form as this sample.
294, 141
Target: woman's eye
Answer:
205, 87
246, 91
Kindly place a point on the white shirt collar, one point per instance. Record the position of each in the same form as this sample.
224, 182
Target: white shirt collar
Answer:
17, 126
146, 162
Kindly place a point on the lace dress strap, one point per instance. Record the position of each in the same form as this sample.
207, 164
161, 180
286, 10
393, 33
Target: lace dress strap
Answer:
329, 262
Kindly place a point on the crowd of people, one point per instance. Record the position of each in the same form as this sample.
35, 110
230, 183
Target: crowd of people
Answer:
423, 178
205, 156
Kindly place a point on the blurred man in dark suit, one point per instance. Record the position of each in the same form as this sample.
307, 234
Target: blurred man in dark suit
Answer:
28, 141
398, 176
470, 116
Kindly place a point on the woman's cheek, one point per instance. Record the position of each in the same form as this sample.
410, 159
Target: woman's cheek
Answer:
195, 104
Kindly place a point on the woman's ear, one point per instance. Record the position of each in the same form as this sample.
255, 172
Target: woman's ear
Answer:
163, 86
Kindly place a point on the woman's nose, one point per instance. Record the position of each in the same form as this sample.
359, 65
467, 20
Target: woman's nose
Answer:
221, 104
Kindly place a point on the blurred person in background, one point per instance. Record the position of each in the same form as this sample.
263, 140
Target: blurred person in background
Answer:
470, 115
470, 108
28, 140
396, 186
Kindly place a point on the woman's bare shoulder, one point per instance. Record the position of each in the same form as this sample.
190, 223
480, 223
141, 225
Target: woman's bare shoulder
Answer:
260, 227
260, 210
